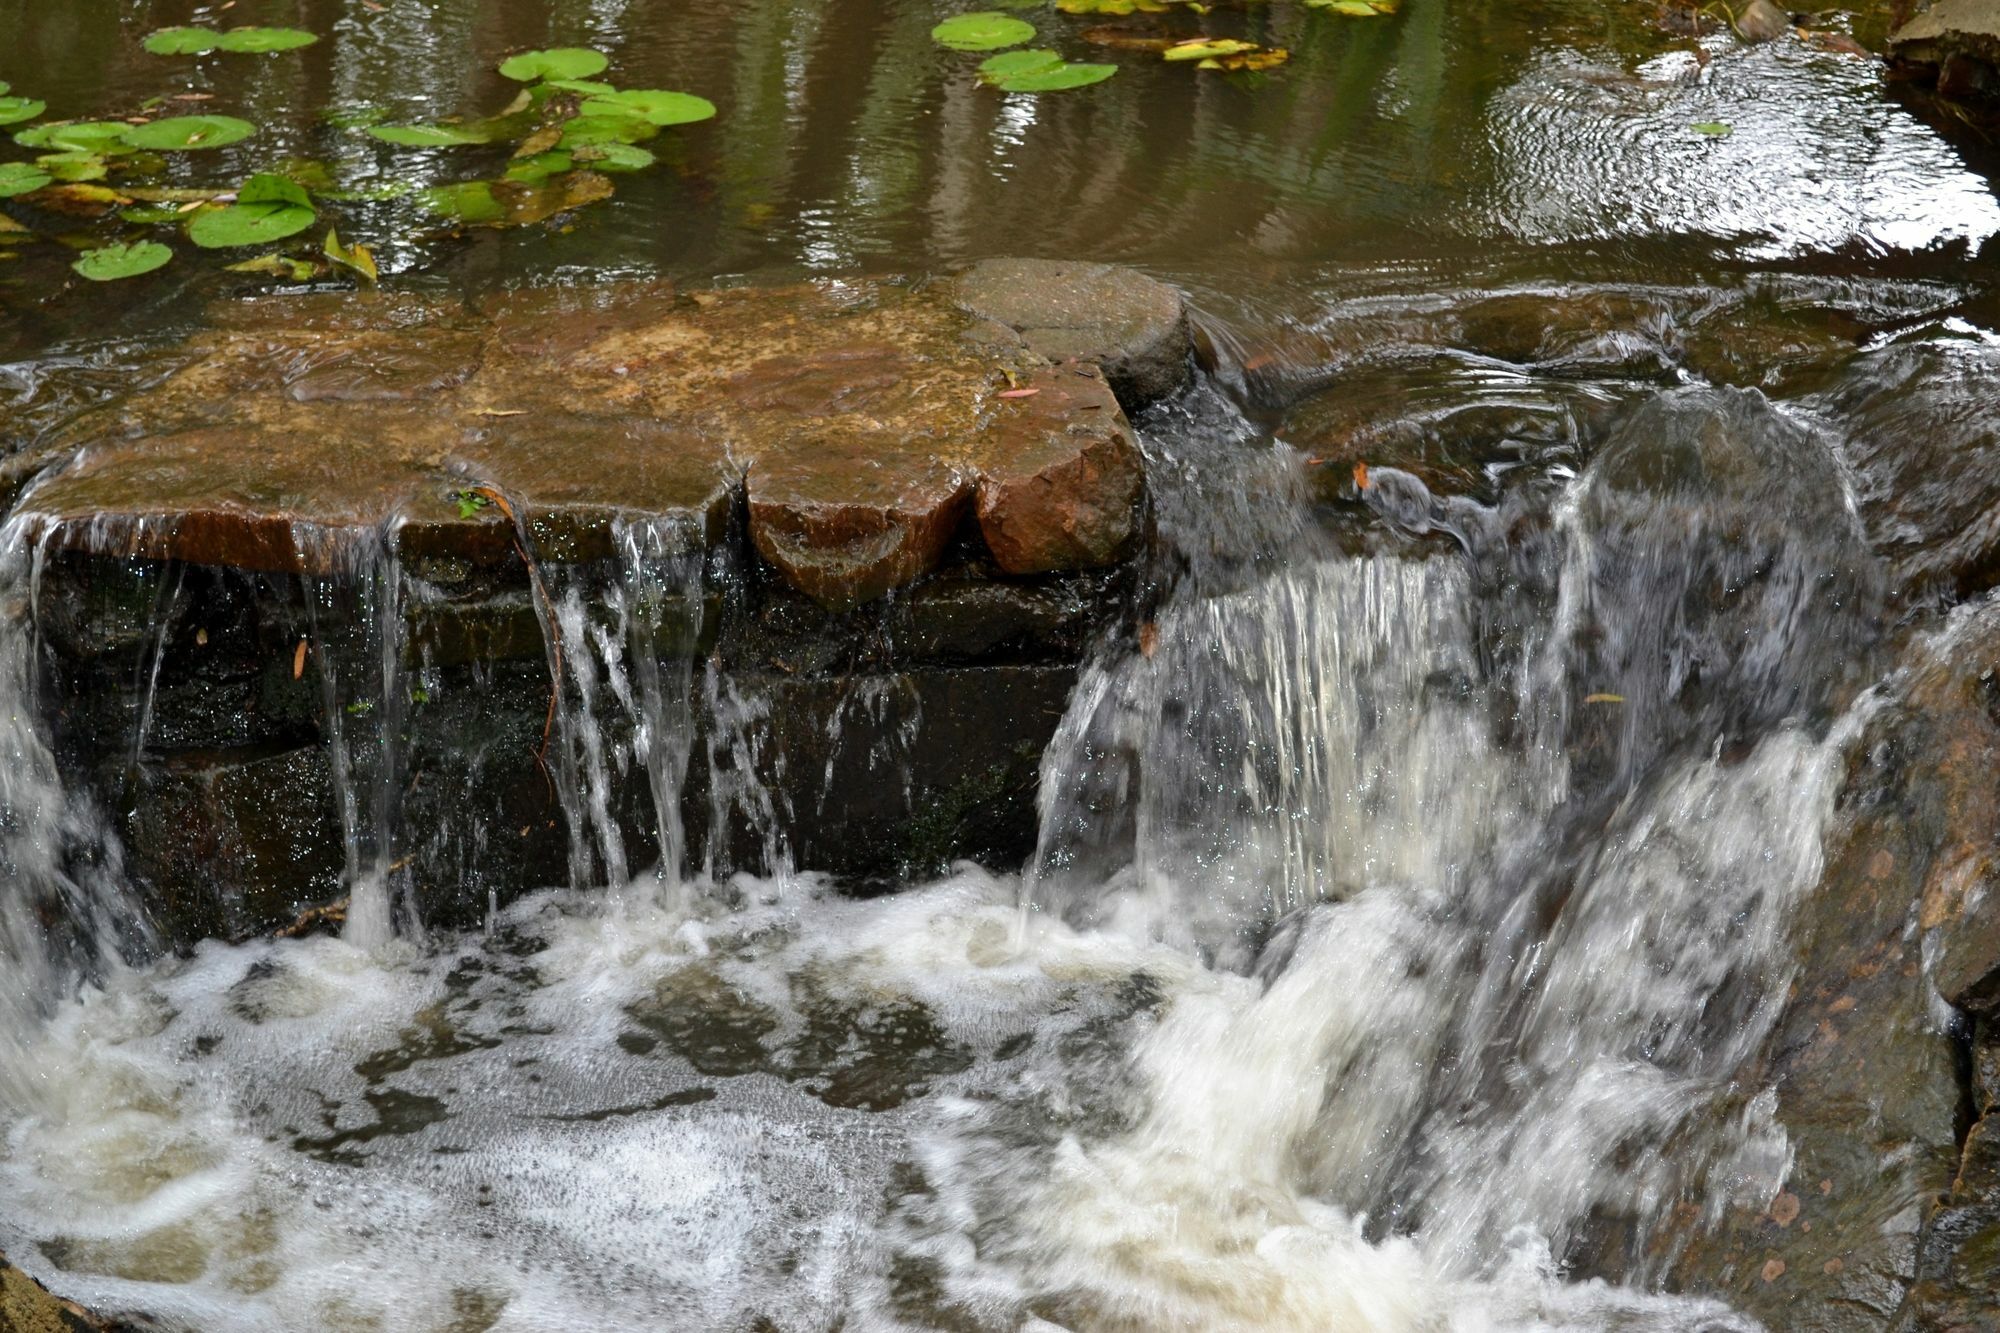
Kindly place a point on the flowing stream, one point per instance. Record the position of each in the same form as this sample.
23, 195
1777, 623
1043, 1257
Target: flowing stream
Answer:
1395, 938
1415, 891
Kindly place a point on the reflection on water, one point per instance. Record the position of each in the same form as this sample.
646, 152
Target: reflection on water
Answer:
846, 139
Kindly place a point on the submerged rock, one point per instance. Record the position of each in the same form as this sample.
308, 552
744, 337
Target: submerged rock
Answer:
1133, 326
1762, 21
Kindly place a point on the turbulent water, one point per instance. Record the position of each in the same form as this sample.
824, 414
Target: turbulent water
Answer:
1400, 925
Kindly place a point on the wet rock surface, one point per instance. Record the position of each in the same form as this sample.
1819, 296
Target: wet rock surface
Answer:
27, 1307
886, 548
1134, 327
1956, 43
856, 419
1888, 1216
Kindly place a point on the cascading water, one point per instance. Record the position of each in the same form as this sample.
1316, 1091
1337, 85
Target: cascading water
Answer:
1400, 923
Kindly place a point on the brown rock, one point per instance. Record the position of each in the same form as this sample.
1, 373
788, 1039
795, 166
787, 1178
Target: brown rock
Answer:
860, 412
840, 547
1060, 477
1762, 21
1133, 326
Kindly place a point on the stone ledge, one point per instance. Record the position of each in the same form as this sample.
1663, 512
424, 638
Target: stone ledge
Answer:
860, 424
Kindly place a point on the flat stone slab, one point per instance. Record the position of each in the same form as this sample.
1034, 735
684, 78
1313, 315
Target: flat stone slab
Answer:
865, 424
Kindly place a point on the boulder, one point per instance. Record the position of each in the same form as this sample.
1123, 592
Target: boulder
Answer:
1924, 445
1890, 1205
1762, 21
1133, 326
1954, 43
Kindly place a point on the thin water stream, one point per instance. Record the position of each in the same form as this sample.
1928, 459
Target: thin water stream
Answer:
1415, 892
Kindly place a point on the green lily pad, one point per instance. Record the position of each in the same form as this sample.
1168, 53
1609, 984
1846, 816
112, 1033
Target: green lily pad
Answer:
73, 166
656, 106
465, 201
267, 208
587, 87
988, 30
357, 259
262, 41
564, 62
103, 137
540, 166
1714, 129
110, 262
1008, 64
1206, 48
20, 178
276, 266
427, 136
14, 110
353, 117
5, 87
587, 130
1056, 79
180, 134
614, 157
182, 41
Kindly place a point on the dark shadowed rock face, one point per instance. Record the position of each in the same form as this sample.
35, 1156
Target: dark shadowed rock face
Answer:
1918, 425
1890, 1215
1957, 44
859, 420
1131, 325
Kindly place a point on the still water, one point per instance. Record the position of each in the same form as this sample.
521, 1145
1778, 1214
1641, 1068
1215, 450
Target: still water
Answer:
1365, 968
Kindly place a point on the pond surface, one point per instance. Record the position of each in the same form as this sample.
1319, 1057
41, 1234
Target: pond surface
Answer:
1360, 1033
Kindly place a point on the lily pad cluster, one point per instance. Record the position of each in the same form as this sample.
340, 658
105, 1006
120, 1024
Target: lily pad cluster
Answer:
553, 149
566, 130
1034, 71
195, 41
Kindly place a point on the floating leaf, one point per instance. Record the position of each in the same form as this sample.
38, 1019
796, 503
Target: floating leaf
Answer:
587, 130
1714, 129
179, 134
564, 62
277, 266
428, 136
541, 166
19, 178
1206, 48
110, 262
1360, 9
182, 41
1008, 64
613, 156
267, 208
465, 201
1111, 6
984, 31
587, 87
1057, 79
1249, 60
14, 110
655, 106
262, 41
358, 258
85, 136
5, 87
516, 203
73, 166
83, 200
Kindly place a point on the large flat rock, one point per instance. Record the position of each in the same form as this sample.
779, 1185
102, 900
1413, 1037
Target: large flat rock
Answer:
865, 423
